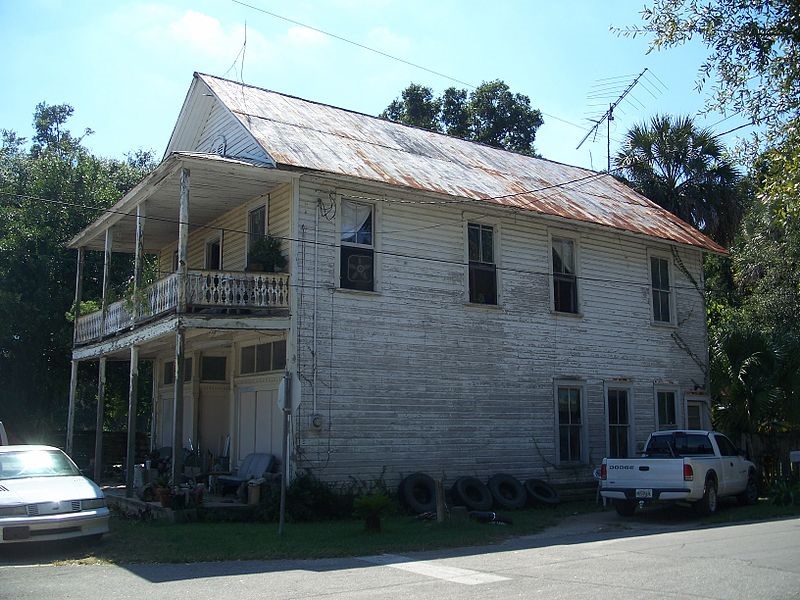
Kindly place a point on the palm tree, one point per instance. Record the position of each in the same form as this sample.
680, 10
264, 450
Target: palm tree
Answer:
684, 170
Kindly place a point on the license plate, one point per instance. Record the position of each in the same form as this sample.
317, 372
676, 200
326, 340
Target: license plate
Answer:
644, 493
16, 533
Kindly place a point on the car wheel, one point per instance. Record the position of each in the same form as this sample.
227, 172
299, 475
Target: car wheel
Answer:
708, 503
625, 508
750, 493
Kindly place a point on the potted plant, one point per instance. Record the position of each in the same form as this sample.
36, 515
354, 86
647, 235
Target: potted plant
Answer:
265, 254
162, 491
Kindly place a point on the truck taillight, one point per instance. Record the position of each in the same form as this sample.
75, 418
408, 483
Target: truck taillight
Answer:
688, 472
603, 472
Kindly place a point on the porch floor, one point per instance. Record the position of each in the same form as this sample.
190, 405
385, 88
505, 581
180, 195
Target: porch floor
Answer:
213, 508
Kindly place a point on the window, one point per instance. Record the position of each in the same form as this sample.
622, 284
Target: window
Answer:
570, 424
694, 415
270, 356
256, 225
213, 368
726, 447
168, 377
667, 410
213, 255
482, 269
659, 275
357, 252
619, 423
565, 284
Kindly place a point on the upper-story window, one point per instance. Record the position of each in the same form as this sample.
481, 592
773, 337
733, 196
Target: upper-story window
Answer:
256, 223
214, 254
357, 252
482, 267
661, 290
565, 282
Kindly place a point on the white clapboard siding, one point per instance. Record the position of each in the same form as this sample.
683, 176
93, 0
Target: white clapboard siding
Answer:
413, 378
223, 134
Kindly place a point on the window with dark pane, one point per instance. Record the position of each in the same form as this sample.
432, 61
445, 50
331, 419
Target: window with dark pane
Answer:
482, 268
565, 284
247, 360
257, 223
263, 357
570, 424
667, 414
659, 273
212, 368
169, 371
357, 251
213, 255
278, 355
618, 423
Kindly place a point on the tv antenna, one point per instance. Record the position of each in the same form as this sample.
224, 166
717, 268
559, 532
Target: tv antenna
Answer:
608, 116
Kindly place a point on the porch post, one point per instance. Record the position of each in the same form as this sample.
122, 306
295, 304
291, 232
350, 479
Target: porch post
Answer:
132, 397
98, 432
180, 335
138, 262
106, 275
73, 381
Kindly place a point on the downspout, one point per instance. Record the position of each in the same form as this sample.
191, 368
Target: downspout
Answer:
314, 321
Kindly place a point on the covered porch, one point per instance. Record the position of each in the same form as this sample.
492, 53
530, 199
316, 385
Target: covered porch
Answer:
189, 313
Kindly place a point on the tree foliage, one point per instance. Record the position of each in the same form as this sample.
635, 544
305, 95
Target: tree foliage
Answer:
491, 114
48, 192
753, 66
684, 169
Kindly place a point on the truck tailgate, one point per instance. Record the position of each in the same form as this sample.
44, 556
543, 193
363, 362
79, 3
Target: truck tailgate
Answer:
644, 472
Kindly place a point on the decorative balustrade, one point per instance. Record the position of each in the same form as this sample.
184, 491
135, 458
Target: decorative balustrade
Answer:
212, 289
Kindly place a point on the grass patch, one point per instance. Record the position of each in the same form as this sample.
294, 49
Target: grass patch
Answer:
762, 511
134, 541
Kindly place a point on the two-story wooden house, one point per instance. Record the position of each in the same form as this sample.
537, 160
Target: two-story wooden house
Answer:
446, 307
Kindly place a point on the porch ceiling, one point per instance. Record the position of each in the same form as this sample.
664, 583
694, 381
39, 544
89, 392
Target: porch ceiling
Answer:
216, 185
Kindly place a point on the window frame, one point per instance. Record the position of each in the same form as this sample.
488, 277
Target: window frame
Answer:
584, 423
215, 239
482, 222
670, 290
203, 376
564, 236
631, 437
272, 354
667, 389
262, 203
374, 247
187, 370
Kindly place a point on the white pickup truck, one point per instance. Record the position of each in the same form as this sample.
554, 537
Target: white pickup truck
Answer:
689, 466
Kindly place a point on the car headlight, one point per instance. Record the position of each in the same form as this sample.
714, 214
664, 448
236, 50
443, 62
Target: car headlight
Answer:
95, 503
13, 511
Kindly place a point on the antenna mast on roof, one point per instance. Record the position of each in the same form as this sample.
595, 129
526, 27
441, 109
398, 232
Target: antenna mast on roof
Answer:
608, 116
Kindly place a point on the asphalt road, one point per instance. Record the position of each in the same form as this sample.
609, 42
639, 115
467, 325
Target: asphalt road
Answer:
591, 556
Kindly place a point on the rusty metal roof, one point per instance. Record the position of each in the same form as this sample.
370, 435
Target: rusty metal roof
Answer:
303, 134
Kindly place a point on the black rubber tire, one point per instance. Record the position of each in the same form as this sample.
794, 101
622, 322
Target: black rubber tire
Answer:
507, 491
472, 493
750, 494
418, 493
625, 508
541, 493
708, 503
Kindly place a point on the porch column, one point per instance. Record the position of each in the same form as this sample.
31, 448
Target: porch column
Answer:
132, 397
138, 262
73, 381
98, 432
106, 275
180, 335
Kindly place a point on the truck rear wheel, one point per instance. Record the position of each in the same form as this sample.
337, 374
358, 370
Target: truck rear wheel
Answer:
750, 493
625, 508
708, 503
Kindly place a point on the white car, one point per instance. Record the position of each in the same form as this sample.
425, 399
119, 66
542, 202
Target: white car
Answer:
44, 497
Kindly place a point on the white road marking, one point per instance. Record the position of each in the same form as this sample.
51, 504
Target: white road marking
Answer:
432, 569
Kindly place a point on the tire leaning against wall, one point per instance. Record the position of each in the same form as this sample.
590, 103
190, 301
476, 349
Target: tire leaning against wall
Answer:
541, 493
418, 493
507, 491
472, 493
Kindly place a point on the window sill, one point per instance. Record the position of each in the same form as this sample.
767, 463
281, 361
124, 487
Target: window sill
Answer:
663, 324
569, 315
480, 306
348, 291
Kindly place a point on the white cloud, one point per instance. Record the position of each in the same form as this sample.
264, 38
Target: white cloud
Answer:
303, 36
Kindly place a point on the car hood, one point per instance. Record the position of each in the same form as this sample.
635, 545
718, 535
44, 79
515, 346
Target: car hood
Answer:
30, 490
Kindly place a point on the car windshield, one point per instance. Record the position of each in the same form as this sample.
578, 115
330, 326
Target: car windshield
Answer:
35, 463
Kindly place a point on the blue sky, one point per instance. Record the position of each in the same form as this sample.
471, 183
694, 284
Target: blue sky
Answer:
125, 66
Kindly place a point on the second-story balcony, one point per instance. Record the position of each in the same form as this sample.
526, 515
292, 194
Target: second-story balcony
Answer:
206, 291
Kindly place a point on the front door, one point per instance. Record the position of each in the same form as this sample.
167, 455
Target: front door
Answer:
260, 423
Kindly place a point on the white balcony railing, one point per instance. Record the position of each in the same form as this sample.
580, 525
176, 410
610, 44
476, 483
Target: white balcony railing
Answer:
204, 289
